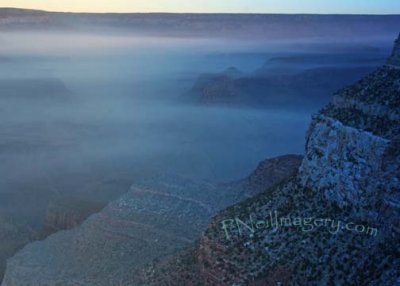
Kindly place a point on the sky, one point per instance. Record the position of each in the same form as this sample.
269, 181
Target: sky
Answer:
213, 6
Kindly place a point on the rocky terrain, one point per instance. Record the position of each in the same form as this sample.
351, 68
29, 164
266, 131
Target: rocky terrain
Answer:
157, 217
337, 219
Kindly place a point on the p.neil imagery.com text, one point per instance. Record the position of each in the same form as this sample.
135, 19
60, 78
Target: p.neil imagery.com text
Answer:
249, 226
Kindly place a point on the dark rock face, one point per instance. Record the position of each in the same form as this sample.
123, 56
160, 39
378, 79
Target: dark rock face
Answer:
349, 175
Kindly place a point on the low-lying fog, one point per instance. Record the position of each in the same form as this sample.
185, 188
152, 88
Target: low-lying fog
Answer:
79, 109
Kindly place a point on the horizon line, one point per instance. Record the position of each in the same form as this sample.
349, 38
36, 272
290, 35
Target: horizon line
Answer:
200, 13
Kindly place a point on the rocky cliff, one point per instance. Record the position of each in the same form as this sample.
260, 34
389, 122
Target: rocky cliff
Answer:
336, 222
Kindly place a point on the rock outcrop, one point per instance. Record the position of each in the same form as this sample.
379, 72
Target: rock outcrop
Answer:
336, 222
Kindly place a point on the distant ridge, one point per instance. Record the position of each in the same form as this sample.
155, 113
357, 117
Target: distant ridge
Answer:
270, 26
